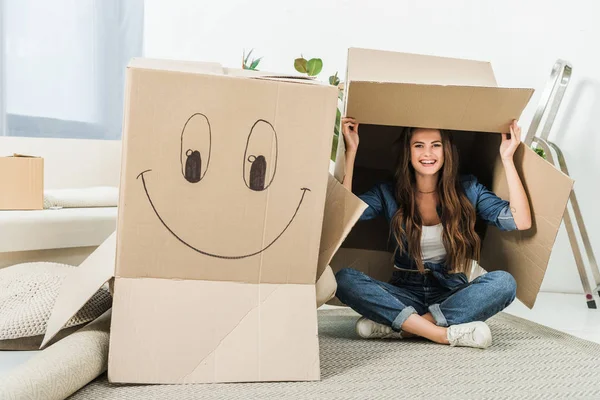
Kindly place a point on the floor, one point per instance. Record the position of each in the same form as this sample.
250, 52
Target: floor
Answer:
565, 312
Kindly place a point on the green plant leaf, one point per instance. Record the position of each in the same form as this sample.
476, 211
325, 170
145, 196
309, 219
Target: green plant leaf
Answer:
540, 152
314, 66
334, 146
255, 63
300, 65
336, 133
248, 56
334, 80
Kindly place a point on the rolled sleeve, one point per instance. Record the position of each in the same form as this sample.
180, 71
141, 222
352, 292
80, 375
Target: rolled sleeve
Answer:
491, 208
505, 220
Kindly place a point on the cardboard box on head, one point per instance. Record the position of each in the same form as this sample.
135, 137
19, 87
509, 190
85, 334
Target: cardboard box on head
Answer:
386, 91
223, 190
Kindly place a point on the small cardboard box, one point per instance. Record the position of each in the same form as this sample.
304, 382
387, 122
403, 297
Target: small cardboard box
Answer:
387, 90
224, 183
21, 182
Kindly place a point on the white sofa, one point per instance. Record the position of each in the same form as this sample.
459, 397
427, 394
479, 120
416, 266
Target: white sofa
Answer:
64, 235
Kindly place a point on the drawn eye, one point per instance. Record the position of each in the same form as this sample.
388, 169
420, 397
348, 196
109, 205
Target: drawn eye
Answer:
196, 141
260, 158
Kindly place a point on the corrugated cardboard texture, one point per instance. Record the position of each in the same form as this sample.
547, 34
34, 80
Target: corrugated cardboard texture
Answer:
81, 285
376, 264
388, 66
171, 331
21, 183
442, 96
224, 181
213, 226
526, 254
198, 67
195, 67
342, 210
468, 108
401, 89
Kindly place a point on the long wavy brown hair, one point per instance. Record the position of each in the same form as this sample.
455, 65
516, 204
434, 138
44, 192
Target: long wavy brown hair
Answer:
458, 216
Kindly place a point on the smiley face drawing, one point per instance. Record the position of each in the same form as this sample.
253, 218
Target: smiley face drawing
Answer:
257, 173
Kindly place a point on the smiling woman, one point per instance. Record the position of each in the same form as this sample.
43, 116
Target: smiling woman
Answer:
432, 212
427, 153
426, 176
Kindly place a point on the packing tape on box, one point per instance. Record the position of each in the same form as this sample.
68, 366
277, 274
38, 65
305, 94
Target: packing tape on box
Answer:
63, 368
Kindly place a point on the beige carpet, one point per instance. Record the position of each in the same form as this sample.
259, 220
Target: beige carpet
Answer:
527, 361
63, 368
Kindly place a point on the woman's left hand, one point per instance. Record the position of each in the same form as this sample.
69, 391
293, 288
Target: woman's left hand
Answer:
509, 145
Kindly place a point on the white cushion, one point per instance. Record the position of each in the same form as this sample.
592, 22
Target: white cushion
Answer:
27, 295
55, 229
100, 196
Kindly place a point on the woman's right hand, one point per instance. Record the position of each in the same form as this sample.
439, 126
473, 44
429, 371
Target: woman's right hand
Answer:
350, 132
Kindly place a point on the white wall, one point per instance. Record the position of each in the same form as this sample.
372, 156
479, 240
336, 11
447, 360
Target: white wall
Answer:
521, 39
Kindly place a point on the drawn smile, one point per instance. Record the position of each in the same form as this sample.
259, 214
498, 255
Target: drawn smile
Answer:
304, 190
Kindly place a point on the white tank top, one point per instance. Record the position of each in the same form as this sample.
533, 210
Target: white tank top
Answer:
432, 246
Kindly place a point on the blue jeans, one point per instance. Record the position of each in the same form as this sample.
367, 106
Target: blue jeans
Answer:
449, 298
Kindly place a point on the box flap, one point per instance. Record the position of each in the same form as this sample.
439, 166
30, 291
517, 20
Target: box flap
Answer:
250, 73
342, 210
467, 108
24, 155
339, 169
196, 67
399, 89
526, 254
388, 66
272, 76
291, 79
265, 332
212, 68
79, 286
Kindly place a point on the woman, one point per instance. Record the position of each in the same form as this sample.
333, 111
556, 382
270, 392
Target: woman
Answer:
432, 212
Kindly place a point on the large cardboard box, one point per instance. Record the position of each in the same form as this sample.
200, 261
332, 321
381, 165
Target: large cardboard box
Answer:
21, 183
388, 90
223, 188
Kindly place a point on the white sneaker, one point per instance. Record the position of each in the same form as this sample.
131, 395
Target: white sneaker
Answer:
473, 334
368, 329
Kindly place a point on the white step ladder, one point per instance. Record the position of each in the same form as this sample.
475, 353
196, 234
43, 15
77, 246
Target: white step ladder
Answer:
536, 137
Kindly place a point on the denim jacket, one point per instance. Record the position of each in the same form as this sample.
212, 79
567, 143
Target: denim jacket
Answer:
489, 207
